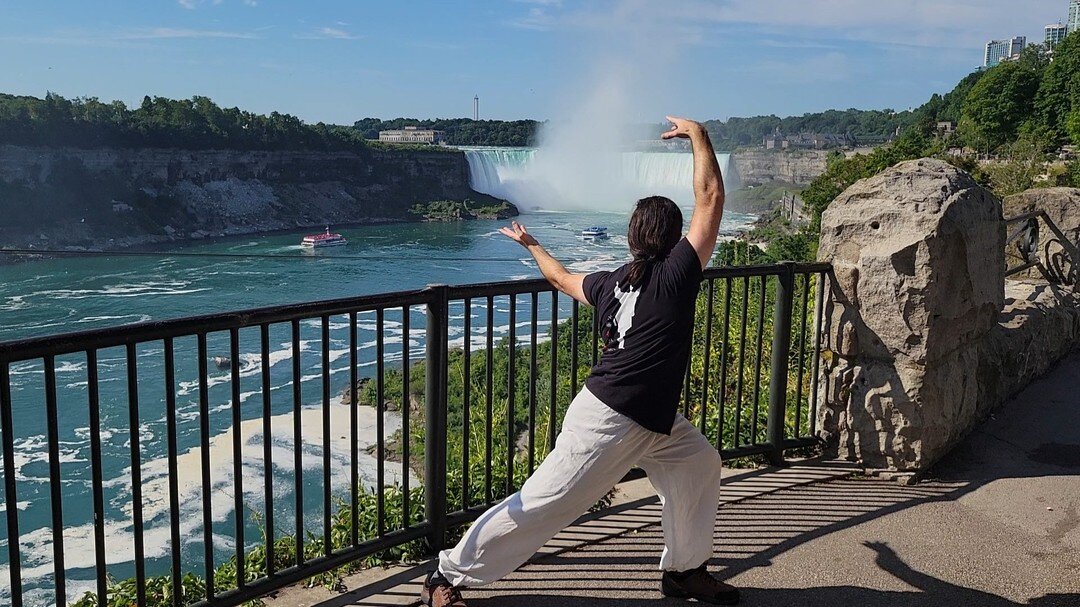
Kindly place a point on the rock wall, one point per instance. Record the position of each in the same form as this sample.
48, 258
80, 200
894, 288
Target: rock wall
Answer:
800, 167
121, 197
914, 297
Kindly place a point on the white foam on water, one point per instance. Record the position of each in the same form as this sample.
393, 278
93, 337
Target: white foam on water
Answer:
139, 317
15, 302
146, 289
119, 534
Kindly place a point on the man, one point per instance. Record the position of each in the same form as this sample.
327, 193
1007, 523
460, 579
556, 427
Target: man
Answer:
626, 414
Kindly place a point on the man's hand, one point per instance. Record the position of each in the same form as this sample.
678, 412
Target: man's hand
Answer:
557, 274
519, 234
682, 128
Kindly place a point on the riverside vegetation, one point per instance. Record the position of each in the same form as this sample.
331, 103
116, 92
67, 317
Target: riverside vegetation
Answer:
457, 210
732, 402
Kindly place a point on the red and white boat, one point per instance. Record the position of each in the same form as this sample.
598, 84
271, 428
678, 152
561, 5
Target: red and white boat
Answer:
326, 239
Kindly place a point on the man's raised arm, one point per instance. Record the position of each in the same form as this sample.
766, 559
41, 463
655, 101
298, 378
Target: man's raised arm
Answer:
557, 274
708, 187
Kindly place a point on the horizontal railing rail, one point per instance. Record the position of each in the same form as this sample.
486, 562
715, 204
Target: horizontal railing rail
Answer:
212, 459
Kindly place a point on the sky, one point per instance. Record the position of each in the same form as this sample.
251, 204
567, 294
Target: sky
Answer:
340, 60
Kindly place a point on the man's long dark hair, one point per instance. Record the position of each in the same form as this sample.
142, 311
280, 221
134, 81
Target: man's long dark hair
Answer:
655, 228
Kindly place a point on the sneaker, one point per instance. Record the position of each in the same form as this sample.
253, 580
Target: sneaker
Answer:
438, 592
698, 584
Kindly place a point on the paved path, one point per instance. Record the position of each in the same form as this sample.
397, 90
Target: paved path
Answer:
997, 524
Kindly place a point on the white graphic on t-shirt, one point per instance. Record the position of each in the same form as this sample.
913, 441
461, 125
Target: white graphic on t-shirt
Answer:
624, 316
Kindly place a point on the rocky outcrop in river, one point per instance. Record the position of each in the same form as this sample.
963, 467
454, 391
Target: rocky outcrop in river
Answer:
67, 197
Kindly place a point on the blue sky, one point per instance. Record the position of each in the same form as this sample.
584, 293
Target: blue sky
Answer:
337, 60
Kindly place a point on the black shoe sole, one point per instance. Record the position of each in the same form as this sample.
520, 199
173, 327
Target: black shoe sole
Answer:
672, 592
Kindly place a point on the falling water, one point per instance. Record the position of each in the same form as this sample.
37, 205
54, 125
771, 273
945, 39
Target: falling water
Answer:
514, 174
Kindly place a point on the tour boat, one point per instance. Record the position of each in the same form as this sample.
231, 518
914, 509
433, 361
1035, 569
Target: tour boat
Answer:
326, 239
594, 232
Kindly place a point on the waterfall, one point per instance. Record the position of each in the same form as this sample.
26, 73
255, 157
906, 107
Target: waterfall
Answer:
519, 175
494, 170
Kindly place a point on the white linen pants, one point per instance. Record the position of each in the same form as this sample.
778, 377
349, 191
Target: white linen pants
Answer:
595, 449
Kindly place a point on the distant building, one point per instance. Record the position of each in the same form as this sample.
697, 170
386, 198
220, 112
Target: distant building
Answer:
1074, 16
1054, 34
808, 141
1001, 50
412, 134
946, 128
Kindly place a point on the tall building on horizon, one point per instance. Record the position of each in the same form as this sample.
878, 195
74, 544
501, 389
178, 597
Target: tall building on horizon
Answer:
1055, 33
1000, 50
1074, 16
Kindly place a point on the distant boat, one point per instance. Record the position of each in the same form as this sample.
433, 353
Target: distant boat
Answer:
594, 233
326, 239
222, 362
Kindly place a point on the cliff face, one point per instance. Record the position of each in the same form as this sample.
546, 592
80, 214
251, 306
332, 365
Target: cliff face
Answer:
799, 167
122, 197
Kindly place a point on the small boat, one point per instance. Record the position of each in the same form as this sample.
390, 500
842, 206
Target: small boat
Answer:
222, 362
595, 233
326, 239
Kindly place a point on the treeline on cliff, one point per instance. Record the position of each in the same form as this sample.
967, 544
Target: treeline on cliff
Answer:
867, 126
196, 123
199, 123
1011, 121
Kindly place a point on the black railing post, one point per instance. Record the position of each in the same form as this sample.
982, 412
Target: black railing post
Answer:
778, 374
435, 418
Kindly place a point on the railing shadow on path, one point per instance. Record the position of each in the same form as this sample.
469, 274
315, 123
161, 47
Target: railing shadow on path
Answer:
864, 522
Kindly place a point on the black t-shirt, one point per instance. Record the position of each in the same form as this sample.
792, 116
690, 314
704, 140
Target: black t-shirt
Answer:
646, 334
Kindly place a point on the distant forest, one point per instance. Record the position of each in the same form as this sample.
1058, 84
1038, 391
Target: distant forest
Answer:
196, 123
199, 123
869, 126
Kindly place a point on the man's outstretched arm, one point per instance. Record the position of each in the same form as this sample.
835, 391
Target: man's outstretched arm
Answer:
708, 187
562, 279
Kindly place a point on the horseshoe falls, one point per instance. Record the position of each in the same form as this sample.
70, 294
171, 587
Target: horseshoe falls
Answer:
533, 178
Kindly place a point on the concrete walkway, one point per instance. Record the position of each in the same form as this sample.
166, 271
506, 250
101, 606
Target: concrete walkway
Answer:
997, 524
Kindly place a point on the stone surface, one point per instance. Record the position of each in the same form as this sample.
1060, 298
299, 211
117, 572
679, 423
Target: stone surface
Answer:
760, 166
1039, 326
915, 294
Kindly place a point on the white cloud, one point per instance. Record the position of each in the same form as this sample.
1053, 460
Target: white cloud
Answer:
949, 24
538, 19
193, 4
328, 33
157, 33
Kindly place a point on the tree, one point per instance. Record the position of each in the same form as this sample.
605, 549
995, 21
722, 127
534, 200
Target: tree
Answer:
1058, 97
1000, 102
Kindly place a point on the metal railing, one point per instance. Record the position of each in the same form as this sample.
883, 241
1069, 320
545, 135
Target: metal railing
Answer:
1055, 258
197, 460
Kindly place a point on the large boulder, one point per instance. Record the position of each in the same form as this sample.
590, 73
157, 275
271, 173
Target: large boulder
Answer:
919, 281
